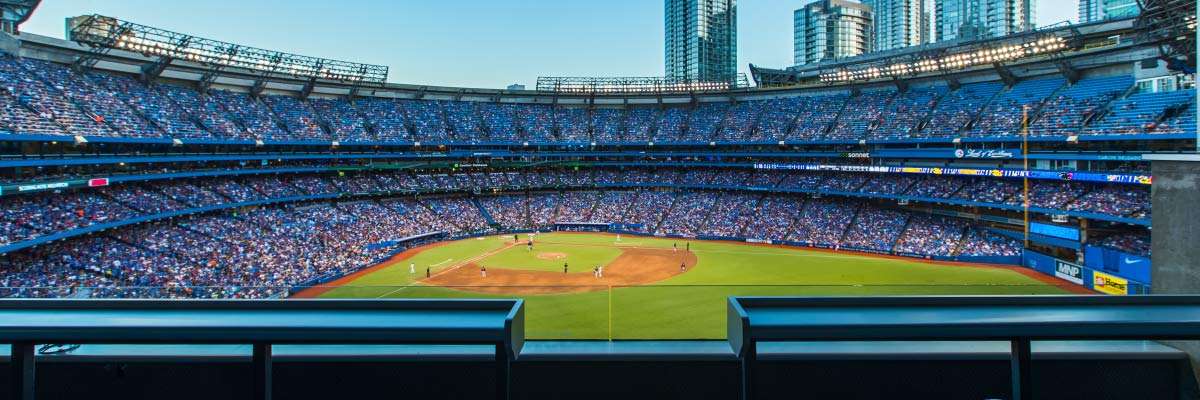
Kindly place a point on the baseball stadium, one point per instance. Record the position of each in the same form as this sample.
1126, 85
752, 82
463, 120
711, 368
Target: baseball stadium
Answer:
967, 218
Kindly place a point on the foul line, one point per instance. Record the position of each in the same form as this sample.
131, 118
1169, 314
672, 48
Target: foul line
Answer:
452, 268
443, 262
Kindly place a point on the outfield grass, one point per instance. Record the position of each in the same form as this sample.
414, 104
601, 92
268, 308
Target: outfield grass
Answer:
688, 306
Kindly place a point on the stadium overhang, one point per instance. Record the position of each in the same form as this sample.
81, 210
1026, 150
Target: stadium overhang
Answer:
950, 57
1171, 26
637, 85
107, 33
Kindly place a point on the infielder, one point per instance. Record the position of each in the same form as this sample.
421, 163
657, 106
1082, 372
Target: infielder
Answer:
483, 270
682, 267
675, 247
412, 268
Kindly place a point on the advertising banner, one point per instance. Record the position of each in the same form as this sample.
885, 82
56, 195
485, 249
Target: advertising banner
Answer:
1132, 267
1106, 283
1068, 271
999, 173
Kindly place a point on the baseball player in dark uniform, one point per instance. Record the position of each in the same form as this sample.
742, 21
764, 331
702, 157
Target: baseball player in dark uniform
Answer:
564, 268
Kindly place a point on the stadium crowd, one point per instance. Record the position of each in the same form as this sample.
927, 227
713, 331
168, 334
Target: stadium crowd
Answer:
252, 253
48, 98
32, 215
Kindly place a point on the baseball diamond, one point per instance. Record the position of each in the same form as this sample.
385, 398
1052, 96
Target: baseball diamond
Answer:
644, 295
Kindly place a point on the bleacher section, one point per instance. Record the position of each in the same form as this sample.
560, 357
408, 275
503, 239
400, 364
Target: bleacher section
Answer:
48, 98
1004, 116
1140, 113
1068, 111
958, 108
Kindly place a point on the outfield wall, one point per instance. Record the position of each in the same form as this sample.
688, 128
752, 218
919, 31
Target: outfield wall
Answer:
1011, 260
1103, 281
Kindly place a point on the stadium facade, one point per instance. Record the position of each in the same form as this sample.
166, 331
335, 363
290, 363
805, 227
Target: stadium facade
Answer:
701, 40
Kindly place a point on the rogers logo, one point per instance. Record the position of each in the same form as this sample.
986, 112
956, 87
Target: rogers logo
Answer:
1099, 281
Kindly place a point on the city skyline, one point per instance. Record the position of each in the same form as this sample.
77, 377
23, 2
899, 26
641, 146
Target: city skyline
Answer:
462, 42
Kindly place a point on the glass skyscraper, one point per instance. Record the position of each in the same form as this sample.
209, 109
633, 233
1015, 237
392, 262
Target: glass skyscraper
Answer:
1099, 10
982, 19
701, 40
832, 29
899, 23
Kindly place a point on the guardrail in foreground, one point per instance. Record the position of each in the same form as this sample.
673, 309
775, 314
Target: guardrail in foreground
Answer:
1017, 320
261, 323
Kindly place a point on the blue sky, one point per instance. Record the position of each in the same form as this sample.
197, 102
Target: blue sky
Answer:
473, 43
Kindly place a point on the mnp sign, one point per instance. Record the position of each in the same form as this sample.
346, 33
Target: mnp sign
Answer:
1106, 283
1068, 271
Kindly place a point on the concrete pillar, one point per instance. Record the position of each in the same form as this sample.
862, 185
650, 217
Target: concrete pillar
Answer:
1175, 257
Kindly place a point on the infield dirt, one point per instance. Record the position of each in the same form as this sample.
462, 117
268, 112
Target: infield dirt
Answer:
633, 267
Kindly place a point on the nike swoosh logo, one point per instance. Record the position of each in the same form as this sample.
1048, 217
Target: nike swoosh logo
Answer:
1131, 262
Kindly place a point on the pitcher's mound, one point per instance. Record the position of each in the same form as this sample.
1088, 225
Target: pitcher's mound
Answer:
552, 256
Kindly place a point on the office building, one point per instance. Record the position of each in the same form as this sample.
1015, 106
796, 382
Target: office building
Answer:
982, 19
701, 40
832, 29
899, 23
1099, 10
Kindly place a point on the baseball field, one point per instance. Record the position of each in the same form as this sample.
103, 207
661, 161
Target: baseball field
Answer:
643, 292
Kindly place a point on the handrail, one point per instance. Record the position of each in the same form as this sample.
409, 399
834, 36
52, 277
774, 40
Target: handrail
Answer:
1017, 319
261, 323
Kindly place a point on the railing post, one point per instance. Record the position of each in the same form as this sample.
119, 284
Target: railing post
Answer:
261, 363
1021, 360
503, 372
749, 358
23, 371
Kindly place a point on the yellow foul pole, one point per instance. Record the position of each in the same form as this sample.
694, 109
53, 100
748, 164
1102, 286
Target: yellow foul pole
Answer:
1025, 155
